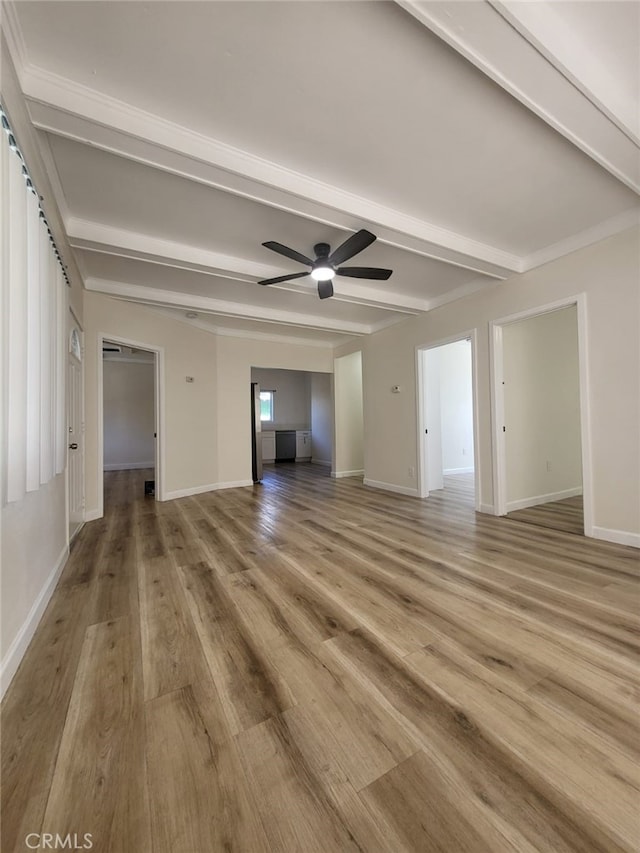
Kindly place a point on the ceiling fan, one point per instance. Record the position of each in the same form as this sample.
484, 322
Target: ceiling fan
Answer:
327, 263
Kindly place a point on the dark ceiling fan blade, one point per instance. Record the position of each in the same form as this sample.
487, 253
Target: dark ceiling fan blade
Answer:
354, 244
365, 272
283, 278
325, 289
288, 253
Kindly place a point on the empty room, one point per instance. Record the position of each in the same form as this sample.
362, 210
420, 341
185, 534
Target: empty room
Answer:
319, 434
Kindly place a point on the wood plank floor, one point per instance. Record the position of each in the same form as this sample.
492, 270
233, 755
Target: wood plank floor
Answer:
567, 515
312, 666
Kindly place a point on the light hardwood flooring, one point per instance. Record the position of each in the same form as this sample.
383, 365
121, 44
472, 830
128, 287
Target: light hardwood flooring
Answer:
312, 666
567, 515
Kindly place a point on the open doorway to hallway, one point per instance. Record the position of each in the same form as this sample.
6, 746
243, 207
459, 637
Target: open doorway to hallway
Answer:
447, 417
129, 412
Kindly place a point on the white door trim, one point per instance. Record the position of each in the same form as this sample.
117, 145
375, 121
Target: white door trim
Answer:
74, 323
496, 355
71, 359
159, 413
472, 336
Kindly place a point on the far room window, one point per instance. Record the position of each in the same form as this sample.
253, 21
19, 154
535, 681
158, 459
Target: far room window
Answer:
266, 405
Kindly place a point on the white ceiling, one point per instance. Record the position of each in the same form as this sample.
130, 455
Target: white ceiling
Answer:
179, 136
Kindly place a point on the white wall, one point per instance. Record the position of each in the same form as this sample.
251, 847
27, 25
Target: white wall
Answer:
33, 529
349, 422
321, 418
456, 406
542, 408
190, 431
207, 435
236, 357
129, 414
34, 551
292, 405
607, 273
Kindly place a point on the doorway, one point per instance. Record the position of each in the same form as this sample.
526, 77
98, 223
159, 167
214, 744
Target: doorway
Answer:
348, 443
447, 427
295, 420
131, 413
75, 436
541, 441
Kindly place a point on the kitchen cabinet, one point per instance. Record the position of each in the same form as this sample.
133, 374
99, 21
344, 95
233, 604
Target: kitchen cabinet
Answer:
268, 446
303, 445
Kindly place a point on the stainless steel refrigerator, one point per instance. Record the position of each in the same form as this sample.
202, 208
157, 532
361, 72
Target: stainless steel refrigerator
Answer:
256, 434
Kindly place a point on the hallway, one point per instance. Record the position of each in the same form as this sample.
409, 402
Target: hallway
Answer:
313, 666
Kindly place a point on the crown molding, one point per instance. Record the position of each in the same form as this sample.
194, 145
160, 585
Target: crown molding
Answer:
462, 291
512, 58
60, 106
15, 42
247, 334
54, 178
186, 301
601, 231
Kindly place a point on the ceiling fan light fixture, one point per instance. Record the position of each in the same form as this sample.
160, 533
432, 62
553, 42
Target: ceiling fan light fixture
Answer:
323, 273
328, 264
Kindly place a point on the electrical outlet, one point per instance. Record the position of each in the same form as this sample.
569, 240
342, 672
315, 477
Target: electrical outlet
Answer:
412, 471
548, 465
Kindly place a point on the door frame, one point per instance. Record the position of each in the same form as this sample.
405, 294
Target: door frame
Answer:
77, 326
158, 406
496, 357
472, 336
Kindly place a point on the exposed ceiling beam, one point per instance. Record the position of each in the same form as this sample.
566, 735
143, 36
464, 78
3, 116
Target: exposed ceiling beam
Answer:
549, 32
67, 109
485, 34
187, 301
93, 236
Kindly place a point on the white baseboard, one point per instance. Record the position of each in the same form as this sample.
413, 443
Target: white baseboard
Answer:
92, 514
338, 474
76, 531
235, 484
391, 487
489, 509
620, 537
325, 462
210, 487
20, 644
543, 499
459, 470
127, 466
303, 459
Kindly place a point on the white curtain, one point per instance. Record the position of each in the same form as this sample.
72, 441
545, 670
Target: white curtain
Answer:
34, 305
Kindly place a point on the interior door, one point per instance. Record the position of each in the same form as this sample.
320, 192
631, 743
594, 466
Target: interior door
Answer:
75, 445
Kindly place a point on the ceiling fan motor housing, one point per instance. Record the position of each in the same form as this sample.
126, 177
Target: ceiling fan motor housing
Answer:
322, 250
